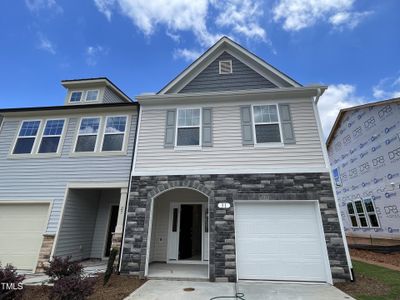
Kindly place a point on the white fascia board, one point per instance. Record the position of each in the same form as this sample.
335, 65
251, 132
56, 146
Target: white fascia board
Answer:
267, 93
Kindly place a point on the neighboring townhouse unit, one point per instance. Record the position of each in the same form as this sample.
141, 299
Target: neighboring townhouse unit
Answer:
231, 178
64, 173
364, 151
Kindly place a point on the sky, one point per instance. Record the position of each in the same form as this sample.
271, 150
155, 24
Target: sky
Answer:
352, 46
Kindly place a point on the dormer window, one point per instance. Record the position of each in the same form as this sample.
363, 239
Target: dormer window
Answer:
76, 97
92, 95
225, 67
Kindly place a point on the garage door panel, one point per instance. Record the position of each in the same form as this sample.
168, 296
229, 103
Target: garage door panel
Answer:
22, 227
283, 241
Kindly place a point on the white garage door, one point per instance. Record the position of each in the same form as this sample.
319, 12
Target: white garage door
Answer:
280, 241
21, 233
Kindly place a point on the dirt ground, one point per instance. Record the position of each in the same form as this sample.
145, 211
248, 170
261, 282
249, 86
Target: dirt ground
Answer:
389, 259
363, 286
117, 288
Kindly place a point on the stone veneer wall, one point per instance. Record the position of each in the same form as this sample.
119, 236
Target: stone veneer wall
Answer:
45, 252
227, 188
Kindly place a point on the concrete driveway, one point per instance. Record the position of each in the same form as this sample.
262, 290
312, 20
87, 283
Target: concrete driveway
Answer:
175, 290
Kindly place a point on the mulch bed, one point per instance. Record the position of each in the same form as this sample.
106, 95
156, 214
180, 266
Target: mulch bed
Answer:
118, 287
364, 286
390, 258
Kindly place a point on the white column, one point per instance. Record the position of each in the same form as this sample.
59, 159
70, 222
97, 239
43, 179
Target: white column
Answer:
121, 211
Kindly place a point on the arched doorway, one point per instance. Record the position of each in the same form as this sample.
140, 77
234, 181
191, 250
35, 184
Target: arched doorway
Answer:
178, 241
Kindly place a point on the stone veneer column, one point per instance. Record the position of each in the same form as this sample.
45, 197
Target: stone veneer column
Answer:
45, 252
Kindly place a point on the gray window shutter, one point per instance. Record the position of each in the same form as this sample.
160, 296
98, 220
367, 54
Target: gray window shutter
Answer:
207, 127
169, 141
247, 126
286, 124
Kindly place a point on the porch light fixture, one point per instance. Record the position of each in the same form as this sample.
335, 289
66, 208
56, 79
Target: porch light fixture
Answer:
224, 205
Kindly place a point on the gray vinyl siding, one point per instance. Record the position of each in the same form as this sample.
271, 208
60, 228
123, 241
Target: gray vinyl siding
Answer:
242, 78
76, 232
47, 178
108, 198
111, 97
227, 152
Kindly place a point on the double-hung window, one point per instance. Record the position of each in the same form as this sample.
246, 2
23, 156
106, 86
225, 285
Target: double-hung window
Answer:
370, 208
76, 96
87, 135
51, 136
188, 127
352, 214
26, 137
91, 95
361, 213
266, 124
114, 133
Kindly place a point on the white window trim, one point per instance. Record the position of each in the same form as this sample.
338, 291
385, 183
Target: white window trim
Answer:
42, 135
76, 91
267, 144
97, 97
189, 147
124, 142
18, 137
368, 213
354, 214
87, 134
365, 214
220, 68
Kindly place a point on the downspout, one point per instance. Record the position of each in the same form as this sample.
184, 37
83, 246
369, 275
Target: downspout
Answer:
129, 191
328, 166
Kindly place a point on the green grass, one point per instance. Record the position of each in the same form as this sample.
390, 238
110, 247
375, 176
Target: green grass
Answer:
386, 276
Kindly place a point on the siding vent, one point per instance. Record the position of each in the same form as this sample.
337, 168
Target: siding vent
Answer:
225, 67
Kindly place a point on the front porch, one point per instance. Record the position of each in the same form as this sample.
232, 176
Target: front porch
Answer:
179, 238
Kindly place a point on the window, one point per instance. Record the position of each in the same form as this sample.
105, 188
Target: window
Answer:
75, 97
361, 213
92, 95
370, 208
51, 136
225, 67
352, 215
26, 137
114, 133
266, 124
188, 127
87, 136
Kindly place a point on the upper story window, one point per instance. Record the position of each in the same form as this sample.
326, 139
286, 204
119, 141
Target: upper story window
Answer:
26, 137
114, 133
87, 135
76, 96
92, 95
51, 136
188, 127
266, 124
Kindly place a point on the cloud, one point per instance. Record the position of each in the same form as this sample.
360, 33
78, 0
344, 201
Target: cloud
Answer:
93, 54
299, 14
387, 88
37, 5
333, 100
187, 54
206, 19
45, 44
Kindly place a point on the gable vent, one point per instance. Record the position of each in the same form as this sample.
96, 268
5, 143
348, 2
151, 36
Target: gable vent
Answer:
225, 67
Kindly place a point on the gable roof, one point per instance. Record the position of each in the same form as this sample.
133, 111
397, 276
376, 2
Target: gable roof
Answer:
344, 110
277, 77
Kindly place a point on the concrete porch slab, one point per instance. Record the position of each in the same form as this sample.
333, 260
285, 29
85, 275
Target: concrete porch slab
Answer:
178, 271
165, 289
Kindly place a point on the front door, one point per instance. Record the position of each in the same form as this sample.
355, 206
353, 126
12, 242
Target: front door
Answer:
111, 228
187, 232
